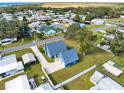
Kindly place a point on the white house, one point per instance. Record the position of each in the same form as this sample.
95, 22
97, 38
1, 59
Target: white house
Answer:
121, 29
28, 58
9, 66
7, 41
7, 16
111, 67
105, 83
97, 22
121, 16
19, 83
96, 77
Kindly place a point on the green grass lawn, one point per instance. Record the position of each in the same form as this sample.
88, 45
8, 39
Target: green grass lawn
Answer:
89, 27
33, 71
97, 57
116, 19
46, 57
18, 43
20, 53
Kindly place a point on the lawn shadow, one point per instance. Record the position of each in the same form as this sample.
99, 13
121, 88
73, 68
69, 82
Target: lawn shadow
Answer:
53, 80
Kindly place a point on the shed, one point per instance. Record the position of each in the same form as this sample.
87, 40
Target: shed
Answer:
28, 58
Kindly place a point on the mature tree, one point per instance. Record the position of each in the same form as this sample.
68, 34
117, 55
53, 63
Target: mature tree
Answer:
87, 41
115, 39
77, 18
71, 30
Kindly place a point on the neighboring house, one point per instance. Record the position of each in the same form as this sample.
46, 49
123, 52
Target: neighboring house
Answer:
34, 25
52, 50
45, 86
47, 30
97, 22
121, 29
103, 82
7, 17
7, 41
82, 25
19, 83
68, 57
96, 77
9, 66
121, 16
113, 68
28, 59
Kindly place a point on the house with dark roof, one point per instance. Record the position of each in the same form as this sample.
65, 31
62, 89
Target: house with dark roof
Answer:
52, 50
47, 30
68, 57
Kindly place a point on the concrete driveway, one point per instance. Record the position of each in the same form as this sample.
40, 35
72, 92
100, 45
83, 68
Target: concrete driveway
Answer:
50, 67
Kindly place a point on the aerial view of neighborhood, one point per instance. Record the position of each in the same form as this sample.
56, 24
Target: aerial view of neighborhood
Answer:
61, 46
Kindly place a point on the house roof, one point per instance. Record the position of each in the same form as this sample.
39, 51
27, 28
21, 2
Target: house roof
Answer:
28, 57
107, 83
56, 25
12, 66
46, 29
7, 60
96, 77
19, 83
69, 56
45, 86
8, 63
56, 47
110, 67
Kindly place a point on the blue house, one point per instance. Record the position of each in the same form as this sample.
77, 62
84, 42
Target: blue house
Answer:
53, 49
68, 57
82, 25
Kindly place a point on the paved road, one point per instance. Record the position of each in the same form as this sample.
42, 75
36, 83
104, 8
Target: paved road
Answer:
44, 41
74, 77
30, 45
50, 67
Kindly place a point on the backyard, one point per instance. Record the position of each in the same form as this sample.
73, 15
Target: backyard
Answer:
33, 71
97, 57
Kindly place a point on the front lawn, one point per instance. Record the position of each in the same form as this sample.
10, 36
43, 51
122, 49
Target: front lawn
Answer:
20, 53
46, 57
116, 19
90, 27
97, 57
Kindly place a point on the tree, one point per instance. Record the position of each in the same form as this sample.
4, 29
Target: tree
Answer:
71, 30
115, 40
77, 18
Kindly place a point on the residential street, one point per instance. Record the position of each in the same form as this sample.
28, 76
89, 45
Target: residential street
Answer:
30, 45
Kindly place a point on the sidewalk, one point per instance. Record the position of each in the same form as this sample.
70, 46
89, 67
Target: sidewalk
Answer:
74, 77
